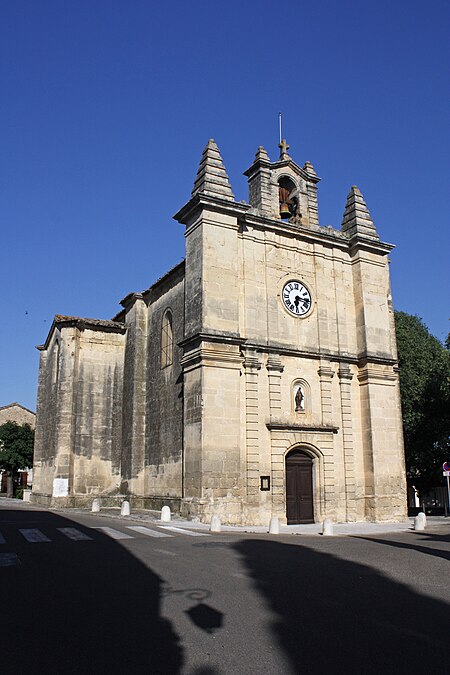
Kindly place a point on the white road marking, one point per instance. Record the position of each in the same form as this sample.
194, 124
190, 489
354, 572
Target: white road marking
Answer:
74, 534
114, 534
34, 536
2, 539
183, 531
8, 559
147, 531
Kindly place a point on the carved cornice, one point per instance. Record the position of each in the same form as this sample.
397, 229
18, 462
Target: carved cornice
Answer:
375, 375
200, 202
216, 337
206, 356
286, 426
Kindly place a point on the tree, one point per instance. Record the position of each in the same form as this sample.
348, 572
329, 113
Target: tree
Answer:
16, 450
425, 393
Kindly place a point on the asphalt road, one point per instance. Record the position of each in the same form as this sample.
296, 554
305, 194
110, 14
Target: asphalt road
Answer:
75, 599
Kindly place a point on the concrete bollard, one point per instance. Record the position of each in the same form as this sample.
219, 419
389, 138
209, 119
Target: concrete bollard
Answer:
215, 525
96, 506
327, 527
165, 514
125, 508
420, 521
274, 525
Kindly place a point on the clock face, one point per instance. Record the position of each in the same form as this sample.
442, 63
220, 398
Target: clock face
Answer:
296, 298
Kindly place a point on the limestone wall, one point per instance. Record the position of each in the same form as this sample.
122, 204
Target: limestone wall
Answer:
44, 442
351, 425
78, 426
98, 406
164, 400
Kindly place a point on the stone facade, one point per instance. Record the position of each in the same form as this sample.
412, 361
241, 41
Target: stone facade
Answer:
14, 412
212, 392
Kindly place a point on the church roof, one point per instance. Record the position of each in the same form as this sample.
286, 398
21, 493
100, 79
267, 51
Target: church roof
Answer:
16, 405
100, 323
212, 178
82, 323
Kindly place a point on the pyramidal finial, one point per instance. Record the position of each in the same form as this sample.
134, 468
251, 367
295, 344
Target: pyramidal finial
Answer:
308, 167
357, 219
261, 154
212, 178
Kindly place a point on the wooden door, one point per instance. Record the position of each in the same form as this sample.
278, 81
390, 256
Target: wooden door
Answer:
299, 490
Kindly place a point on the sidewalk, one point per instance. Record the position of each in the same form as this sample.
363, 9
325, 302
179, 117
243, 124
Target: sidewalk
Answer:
153, 517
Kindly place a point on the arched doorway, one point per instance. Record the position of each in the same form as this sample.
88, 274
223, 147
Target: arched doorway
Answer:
299, 488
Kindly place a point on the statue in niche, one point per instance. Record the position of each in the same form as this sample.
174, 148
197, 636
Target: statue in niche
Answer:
299, 400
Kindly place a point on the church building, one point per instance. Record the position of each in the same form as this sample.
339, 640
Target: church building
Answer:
257, 378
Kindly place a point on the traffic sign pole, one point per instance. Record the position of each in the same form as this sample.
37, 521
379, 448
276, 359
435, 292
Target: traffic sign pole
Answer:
446, 472
448, 492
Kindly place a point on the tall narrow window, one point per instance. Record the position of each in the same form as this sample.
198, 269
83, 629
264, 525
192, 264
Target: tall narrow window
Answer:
55, 373
166, 340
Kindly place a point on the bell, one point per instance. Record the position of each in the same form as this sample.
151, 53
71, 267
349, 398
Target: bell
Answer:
284, 210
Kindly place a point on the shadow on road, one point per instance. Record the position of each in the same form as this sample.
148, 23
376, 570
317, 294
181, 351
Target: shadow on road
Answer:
415, 546
336, 616
80, 606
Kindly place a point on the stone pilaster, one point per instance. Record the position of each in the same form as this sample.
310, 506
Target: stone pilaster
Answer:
275, 368
134, 395
65, 418
42, 446
313, 207
311, 189
252, 365
260, 184
326, 374
345, 378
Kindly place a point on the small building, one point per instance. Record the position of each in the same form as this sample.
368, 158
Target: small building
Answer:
14, 412
257, 378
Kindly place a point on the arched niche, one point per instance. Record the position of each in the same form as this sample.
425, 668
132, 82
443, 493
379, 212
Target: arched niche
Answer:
287, 199
300, 396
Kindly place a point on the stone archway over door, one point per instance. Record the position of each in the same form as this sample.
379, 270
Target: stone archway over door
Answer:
299, 488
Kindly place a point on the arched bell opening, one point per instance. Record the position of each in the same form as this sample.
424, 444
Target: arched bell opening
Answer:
299, 487
288, 203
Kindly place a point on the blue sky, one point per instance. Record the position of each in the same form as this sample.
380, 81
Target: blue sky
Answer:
106, 106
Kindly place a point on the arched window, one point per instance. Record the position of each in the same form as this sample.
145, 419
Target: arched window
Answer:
55, 373
166, 340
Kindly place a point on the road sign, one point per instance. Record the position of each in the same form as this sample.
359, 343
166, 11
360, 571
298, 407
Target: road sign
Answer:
446, 473
446, 466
